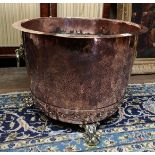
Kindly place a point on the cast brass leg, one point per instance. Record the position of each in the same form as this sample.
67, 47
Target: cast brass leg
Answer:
91, 137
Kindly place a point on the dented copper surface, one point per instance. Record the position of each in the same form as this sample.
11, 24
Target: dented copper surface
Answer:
79, 68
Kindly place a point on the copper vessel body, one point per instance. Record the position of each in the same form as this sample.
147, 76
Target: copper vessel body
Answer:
79, 68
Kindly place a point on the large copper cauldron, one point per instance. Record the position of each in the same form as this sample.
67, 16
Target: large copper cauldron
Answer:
79, 68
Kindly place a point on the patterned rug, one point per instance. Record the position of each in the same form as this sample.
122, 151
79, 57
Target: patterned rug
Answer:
132, 128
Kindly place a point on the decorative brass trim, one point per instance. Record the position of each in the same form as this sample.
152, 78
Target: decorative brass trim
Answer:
75, 116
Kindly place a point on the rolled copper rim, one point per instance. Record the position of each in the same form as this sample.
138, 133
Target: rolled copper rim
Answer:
142, 29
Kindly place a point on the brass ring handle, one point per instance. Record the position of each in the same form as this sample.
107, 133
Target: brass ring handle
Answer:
19, 54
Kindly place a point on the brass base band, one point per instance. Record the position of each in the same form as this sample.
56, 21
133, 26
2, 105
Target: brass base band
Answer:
75, 116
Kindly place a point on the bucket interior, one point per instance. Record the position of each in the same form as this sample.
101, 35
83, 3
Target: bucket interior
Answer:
81, 26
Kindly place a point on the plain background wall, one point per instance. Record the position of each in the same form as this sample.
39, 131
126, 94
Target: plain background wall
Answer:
12, 12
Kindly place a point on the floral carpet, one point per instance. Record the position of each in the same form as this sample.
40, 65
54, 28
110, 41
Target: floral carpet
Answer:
132, 128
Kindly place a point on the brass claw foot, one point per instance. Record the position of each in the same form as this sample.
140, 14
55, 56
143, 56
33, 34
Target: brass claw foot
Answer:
91, 137
28, 102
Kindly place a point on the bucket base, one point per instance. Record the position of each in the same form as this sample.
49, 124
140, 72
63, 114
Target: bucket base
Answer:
75, 116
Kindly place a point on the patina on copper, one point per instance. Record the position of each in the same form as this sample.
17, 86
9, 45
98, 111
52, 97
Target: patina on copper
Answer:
79, 68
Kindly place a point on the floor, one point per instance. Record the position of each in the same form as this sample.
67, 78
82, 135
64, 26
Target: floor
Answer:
14, 79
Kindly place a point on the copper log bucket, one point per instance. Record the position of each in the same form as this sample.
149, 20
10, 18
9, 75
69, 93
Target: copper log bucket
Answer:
79, 68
